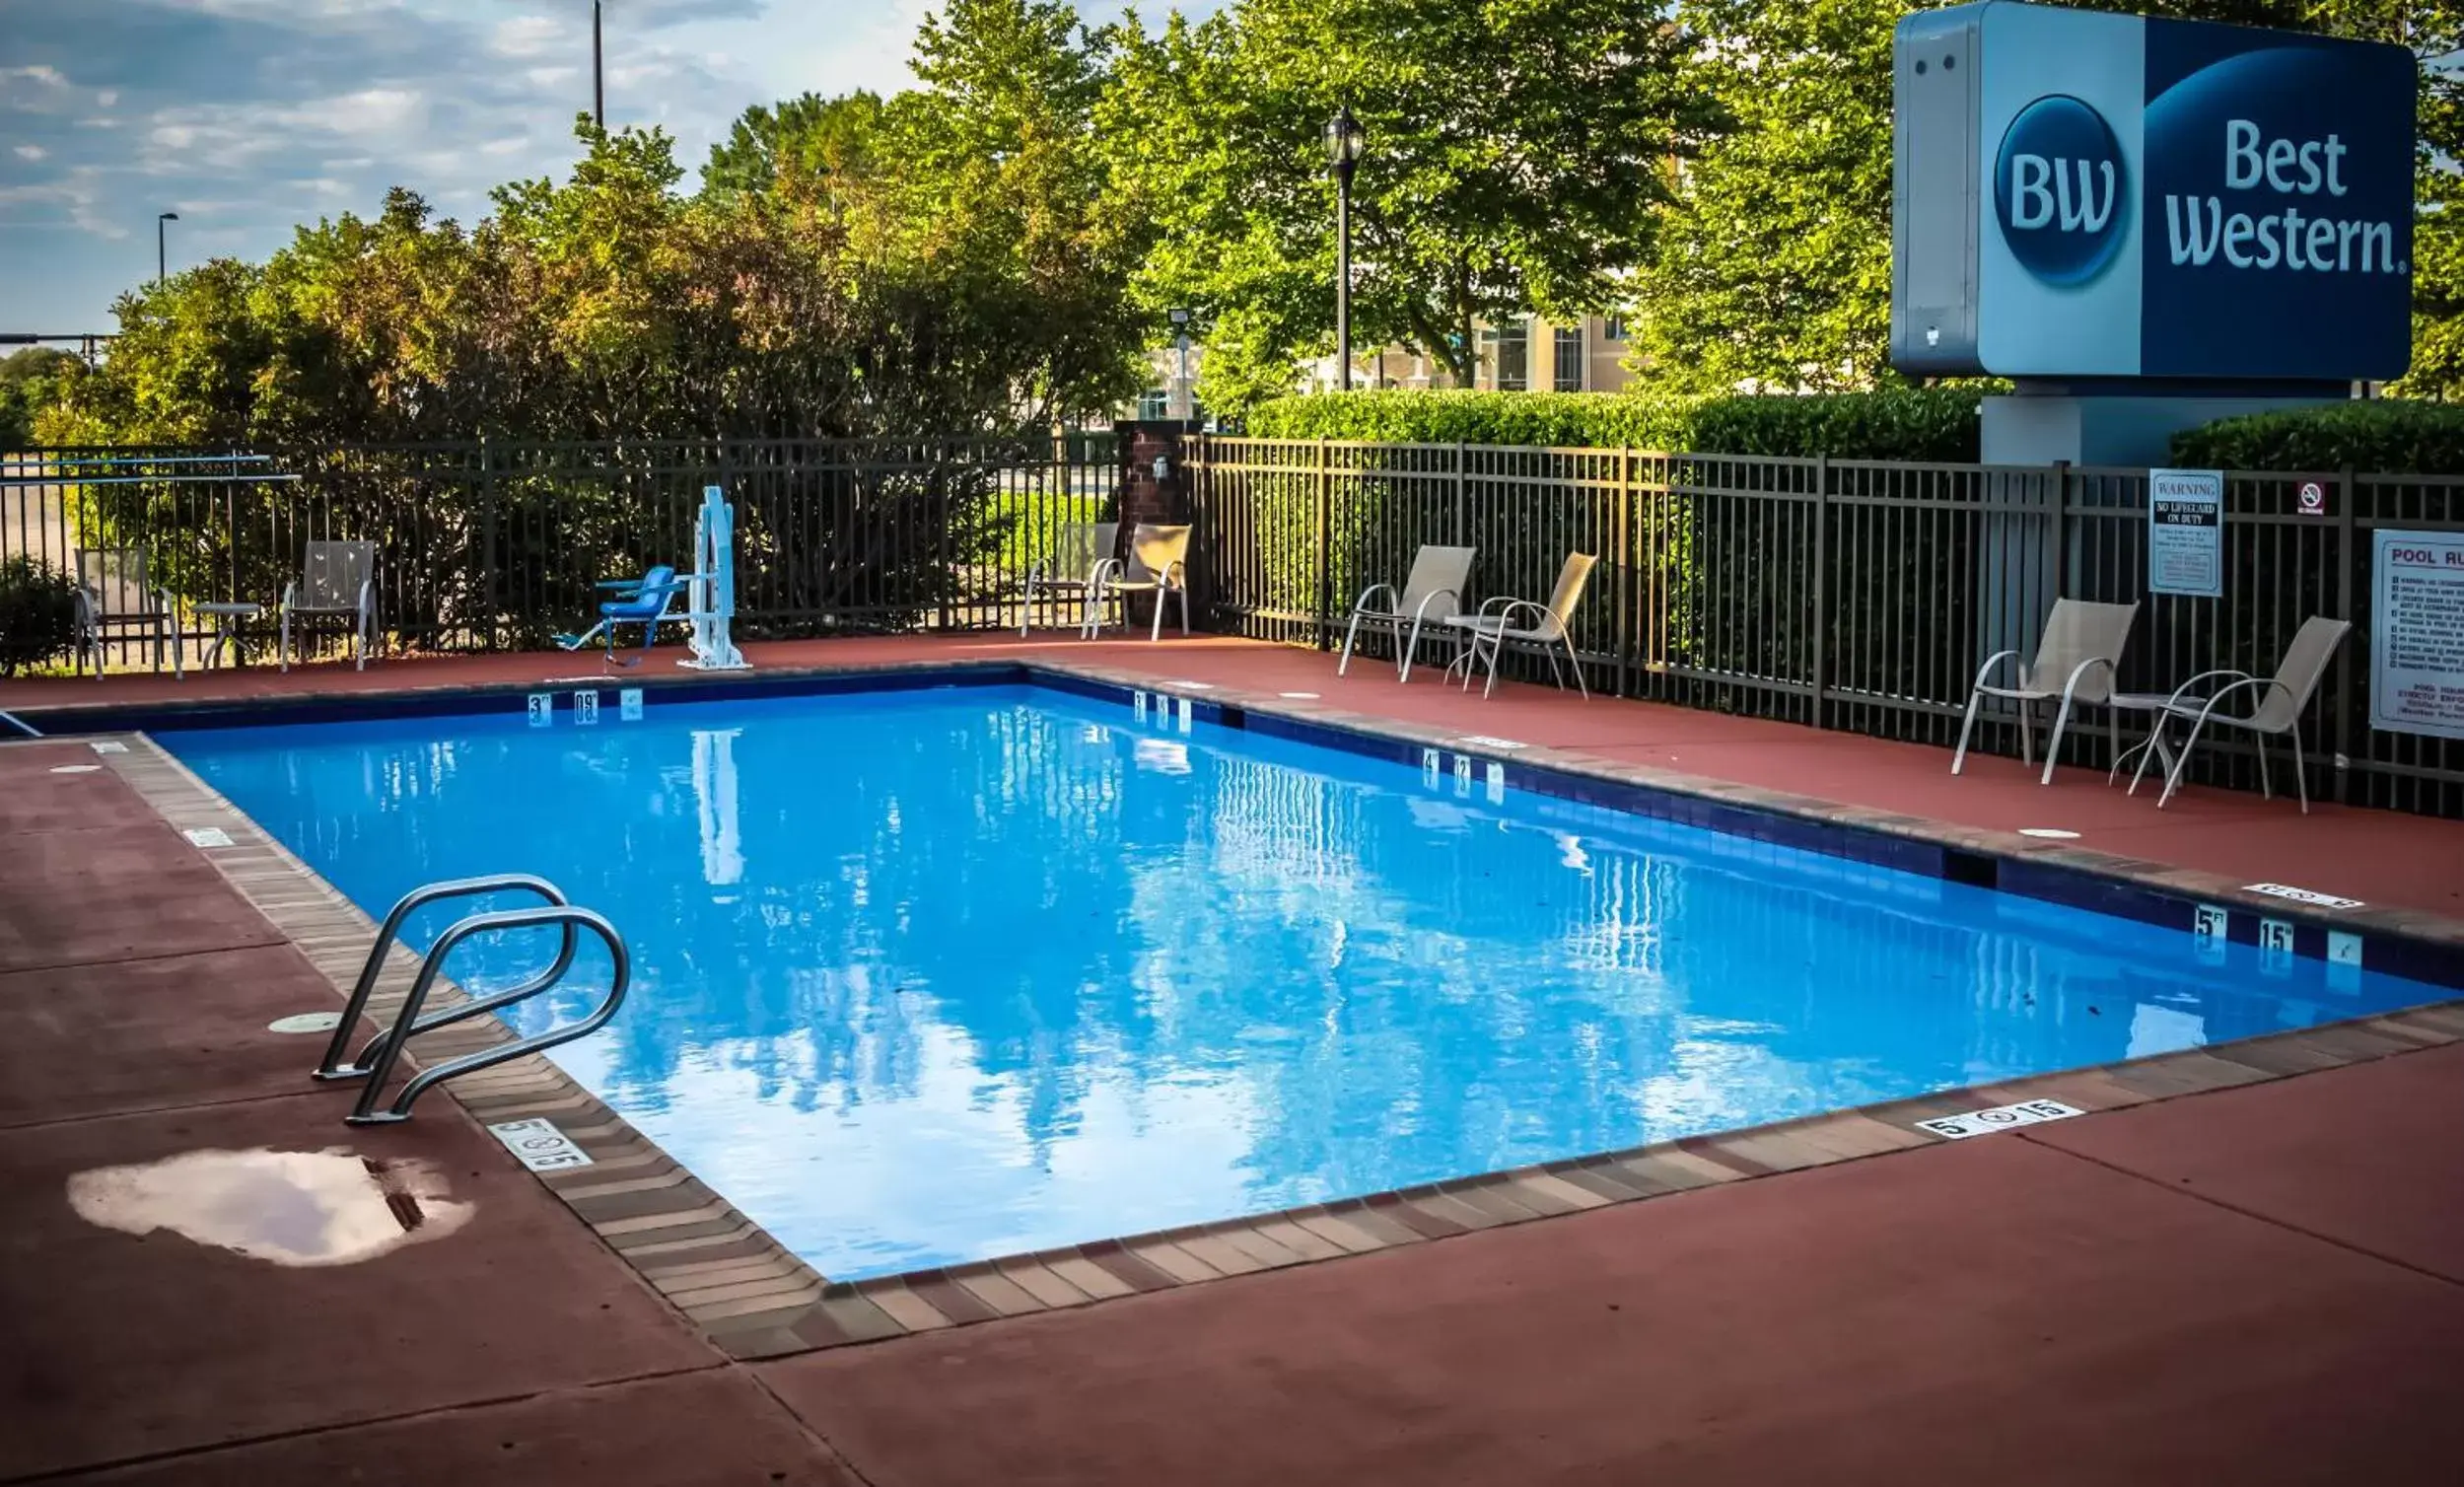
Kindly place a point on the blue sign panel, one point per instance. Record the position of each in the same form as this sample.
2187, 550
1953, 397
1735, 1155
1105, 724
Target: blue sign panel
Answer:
2135, 197
2284, 173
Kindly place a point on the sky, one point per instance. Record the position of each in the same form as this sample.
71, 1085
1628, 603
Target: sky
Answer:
248, 118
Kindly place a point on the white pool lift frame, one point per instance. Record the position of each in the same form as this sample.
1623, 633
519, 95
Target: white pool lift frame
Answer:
710, 588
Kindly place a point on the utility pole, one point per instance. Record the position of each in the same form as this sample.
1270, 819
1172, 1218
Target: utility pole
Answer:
599, 79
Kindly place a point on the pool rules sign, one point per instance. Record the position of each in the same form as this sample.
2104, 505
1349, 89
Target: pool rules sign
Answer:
2417, 650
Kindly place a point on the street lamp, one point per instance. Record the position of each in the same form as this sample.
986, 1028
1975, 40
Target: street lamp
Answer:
1343, 139
162, 257
1182, 405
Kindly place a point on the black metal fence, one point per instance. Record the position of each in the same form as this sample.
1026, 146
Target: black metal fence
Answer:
485, 545
1842, 593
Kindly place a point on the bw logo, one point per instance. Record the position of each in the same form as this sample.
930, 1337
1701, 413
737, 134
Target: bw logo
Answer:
2061, 191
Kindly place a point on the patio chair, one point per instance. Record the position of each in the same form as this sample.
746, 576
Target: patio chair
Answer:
117, 599
1157, 564
2075, 663
648, 602
1433, 594
1079, 550
2279, 703
1549, 628
337, 580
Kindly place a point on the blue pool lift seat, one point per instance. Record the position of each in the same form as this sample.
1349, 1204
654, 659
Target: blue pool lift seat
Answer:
648, 602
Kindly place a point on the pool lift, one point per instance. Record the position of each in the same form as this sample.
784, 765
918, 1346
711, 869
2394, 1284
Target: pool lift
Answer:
709, 593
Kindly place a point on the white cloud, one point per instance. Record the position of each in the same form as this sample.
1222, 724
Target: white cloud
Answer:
269, 105
371, 110
526, 35
31, 152
77, 195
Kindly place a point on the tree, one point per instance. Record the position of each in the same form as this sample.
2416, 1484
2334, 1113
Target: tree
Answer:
1516, 156
1773, 267
821, 137
1773, 264
31, 379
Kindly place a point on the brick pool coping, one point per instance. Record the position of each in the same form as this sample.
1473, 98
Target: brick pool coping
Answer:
755, 1299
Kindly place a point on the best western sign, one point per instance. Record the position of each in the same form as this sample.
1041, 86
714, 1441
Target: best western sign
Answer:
2086, 195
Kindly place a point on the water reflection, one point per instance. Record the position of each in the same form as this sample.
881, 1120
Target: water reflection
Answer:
967, 972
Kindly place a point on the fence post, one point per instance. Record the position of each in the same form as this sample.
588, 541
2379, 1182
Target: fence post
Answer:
1622, 544
1821, 599
2347, 559
2062, 528
488, 597
1325, 550
1462, 503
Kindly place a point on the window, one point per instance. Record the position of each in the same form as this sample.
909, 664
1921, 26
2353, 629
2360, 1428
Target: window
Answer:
1154, 403
1569, 378
1513, 357
1613, 328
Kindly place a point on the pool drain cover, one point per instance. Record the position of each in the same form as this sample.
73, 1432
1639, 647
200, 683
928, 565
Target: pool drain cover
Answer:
305, 1021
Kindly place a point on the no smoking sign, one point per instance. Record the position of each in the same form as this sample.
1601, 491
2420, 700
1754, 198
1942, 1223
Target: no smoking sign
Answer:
2314, 498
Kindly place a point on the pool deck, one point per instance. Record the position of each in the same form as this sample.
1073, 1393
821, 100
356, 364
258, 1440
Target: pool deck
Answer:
2255, 1284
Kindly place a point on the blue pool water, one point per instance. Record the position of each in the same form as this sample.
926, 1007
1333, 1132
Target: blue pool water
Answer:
932, 976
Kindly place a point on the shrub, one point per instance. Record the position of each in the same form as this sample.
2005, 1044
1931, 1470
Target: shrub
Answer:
1929, 424
2389, 437
38, 614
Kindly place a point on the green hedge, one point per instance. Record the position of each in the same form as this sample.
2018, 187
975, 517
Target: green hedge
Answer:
38, 614
2387, 436
1930, 424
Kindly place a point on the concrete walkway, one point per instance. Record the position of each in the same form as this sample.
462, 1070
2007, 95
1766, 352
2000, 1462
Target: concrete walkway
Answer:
2256, 1286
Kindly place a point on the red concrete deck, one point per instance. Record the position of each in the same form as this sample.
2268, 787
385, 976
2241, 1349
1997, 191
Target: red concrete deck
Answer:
2257, 1286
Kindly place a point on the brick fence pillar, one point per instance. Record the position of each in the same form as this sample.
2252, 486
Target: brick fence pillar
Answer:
1145, 497
1154, 488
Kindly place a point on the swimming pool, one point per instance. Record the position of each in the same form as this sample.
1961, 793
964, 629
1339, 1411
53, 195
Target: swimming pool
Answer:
935, 975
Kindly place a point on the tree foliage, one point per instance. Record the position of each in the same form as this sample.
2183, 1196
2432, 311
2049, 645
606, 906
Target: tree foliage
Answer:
31, 379
940, 263
996, 247
1516, 155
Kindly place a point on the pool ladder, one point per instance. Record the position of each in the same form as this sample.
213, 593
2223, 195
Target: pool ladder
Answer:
375, 1062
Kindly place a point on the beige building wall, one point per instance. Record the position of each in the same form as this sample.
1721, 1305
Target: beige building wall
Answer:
1594, 363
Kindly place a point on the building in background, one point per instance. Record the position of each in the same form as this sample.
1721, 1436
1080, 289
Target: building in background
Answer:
1529, 354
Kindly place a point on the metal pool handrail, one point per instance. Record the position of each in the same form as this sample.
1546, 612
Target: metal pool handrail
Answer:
331, 1065
389, 1046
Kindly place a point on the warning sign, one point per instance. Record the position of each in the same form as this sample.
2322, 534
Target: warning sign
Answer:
2417, 648
2186, 532
2313, 499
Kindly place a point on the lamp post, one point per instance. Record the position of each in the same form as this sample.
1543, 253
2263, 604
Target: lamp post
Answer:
1182, 405
599, 83
161, 254
1343, 139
